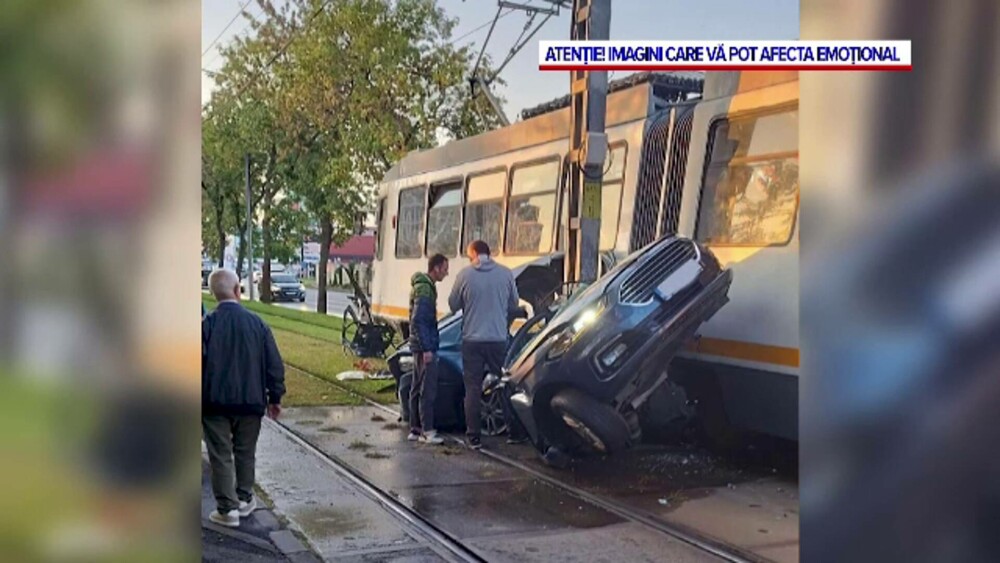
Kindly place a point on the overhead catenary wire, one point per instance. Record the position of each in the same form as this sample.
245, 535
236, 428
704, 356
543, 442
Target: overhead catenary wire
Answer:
218, 52
518, 45
483, 26
284, 47
492, 22
484, 83
228, 25
482, 51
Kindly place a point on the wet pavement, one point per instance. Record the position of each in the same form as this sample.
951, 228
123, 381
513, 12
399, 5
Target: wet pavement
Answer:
253, 541
506, 514
339, 521
750, 502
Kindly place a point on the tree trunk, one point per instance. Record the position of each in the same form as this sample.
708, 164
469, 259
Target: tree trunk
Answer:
220, 231
326, 238
241, 256
265, 268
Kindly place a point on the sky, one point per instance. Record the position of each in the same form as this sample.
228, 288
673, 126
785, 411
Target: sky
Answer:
526, 85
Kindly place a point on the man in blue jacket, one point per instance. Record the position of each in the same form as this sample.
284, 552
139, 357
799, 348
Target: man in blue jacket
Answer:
242, 377
424, 341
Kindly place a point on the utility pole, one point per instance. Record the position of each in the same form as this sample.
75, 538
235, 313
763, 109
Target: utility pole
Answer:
588, 146
249, 233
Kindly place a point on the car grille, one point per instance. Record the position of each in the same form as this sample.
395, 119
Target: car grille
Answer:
638, 287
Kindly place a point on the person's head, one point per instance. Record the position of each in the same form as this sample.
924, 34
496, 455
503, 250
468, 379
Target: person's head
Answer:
224, 284
476, 249
437, 267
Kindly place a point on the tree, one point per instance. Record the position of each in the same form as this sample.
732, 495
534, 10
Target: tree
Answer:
222, 184
327, 95
367, 82
247, 82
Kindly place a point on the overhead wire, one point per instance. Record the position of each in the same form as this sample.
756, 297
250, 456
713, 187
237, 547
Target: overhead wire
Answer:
218, 52
284, 47
486, 23
228, 25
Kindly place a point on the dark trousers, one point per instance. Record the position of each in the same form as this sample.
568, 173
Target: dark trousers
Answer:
232, 448
423, 392
478, 359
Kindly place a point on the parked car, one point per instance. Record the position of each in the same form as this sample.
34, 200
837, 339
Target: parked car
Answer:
578, 384
286, 287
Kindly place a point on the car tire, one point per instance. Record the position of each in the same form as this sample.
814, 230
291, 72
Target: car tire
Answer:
594, 424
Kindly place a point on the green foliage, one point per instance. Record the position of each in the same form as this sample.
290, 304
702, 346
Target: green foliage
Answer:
327, 95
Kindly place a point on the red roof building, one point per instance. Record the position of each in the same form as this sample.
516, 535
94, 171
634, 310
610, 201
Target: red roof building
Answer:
359, 248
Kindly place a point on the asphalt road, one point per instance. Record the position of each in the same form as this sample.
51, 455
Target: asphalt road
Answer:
336, 302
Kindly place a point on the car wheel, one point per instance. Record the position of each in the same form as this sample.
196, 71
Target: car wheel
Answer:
494, 422
594, 423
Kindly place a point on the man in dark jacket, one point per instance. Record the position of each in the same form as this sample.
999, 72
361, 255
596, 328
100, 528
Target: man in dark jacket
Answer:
424, 340
242, 377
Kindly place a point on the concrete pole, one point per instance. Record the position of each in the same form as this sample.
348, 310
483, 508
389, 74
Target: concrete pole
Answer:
588, 146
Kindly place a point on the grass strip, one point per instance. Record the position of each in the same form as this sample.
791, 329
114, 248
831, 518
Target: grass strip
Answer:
307, 317
316, 350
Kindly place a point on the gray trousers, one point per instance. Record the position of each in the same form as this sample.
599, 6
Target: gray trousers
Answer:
232, 445
423, 392
478, 359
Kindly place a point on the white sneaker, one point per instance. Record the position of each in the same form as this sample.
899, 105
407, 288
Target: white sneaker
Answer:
431, 438
414, 436
230, 519
247, 508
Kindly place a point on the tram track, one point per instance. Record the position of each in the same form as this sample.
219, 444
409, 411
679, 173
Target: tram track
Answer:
418, 526
715, 548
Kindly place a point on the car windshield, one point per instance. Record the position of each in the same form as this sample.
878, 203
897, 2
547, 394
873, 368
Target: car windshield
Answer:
284, 279
578, 301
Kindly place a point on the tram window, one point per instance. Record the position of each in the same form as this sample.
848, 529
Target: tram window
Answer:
751, 187
380, 228
484, 209
611, 196
410, 222
443, 220
531, 209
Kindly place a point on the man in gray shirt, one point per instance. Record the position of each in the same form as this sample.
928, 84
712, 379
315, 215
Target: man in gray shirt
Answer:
486, 294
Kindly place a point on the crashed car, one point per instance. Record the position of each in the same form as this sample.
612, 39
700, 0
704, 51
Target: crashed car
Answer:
579, 371
538, 283
578, 384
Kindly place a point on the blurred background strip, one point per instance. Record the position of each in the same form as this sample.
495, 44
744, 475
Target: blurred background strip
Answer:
900, 301
99, 211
